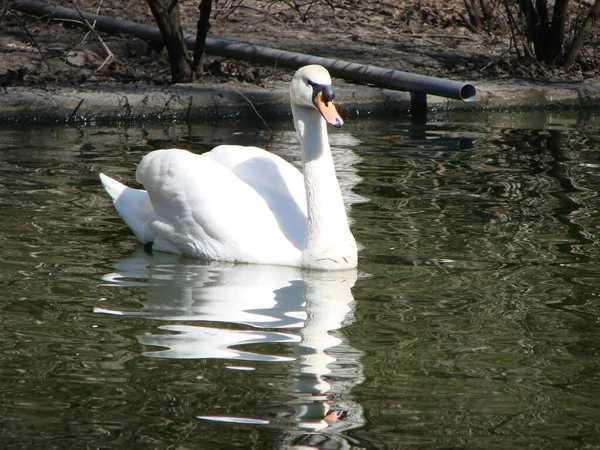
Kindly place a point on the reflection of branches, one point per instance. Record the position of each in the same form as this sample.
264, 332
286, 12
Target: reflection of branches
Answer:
561, 171
555, 159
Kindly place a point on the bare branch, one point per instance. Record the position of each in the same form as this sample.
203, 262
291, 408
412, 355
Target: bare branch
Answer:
202, 29
92, 29
257, 113
582, 36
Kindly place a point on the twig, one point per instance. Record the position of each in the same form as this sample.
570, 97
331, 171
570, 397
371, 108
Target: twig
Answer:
76, 108
513, 28
433, 36
227, 7
257, 113
492, 62
298, 6
305, 18
111, 56
22, 24
260, 11
5, 9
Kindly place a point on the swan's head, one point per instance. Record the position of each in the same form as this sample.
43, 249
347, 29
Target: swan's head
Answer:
311, 88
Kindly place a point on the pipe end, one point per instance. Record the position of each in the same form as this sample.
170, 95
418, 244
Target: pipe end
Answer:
468, 92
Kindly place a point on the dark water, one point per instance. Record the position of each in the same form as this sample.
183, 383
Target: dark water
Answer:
472, 322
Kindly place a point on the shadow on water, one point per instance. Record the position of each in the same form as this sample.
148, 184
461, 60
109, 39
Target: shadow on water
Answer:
476, 325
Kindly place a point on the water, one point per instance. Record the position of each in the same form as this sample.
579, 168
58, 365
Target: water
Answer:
472, 322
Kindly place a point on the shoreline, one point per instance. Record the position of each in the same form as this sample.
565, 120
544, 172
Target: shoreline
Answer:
105, 103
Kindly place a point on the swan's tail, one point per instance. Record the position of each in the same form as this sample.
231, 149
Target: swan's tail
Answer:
134, 207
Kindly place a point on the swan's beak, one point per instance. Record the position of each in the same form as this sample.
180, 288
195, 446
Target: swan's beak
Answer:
328, 111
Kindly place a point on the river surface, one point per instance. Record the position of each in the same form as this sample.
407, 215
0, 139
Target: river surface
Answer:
473, 320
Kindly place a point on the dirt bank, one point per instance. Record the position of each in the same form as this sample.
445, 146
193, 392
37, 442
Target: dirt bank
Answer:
53, 70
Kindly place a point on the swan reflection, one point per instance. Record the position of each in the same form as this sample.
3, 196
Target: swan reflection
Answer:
253, 304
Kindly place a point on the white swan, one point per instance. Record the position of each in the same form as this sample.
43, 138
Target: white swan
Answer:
244, 204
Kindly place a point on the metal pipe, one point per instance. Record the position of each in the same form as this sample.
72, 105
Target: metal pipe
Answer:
386, 78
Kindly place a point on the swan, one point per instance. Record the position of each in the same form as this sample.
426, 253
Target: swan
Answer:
244, 204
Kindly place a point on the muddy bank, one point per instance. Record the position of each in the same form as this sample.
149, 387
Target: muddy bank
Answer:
179, 102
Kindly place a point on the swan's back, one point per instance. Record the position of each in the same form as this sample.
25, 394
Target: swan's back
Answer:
203, 208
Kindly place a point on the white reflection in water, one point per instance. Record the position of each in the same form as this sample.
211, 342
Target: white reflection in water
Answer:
308, 305
246, 420
202, 342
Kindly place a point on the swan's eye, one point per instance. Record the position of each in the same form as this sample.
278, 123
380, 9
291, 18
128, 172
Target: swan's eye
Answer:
326, 89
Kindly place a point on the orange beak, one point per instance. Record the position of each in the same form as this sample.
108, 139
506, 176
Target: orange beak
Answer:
328, 111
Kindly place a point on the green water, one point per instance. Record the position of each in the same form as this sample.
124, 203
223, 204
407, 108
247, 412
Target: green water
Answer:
473, 320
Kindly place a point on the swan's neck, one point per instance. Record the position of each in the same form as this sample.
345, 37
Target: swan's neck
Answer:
328, 238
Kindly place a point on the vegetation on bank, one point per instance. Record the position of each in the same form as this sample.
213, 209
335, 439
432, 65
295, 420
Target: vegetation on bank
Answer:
545, 35
553, 33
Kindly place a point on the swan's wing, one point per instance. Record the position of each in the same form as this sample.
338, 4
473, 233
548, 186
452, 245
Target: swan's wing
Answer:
270, 175
279, 183
203, 208
134, 207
